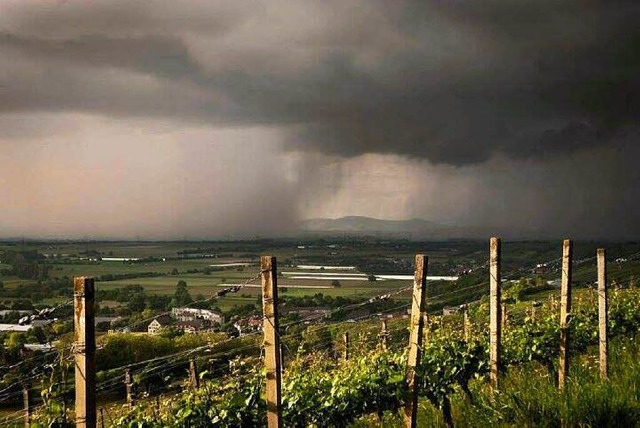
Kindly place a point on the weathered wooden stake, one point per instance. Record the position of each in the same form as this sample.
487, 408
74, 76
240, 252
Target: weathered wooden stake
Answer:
503, 316
565, 310
102, 417
194, 380
27, 408
418, 308
603, 317
85, 352
427, 328
345, 338
533, 310
495, 332
271, 340
466, 325
384, 336
281, 350
128, 383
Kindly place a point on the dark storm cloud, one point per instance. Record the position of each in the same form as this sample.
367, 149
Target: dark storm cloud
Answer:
452, 82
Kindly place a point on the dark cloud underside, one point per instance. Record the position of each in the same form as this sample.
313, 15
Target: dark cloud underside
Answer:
452, 82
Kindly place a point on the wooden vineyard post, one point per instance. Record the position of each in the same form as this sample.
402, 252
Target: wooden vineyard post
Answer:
418, 307
194, 380
426, 328
384, 335
503, 316
281, 351
495, 332
128, 383
565, 309
271, 341
27, 408
102, 417
345, 338
603, 320
534, 306
85, 351
466, 325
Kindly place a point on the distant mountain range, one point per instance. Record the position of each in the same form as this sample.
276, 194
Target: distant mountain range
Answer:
360, 225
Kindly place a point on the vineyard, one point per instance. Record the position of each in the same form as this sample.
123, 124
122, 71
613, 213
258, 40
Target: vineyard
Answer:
366, 372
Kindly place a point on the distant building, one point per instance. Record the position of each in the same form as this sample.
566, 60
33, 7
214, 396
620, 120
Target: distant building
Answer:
158, 323
450, 310
248, 325
193, 314
541, 269
189, 327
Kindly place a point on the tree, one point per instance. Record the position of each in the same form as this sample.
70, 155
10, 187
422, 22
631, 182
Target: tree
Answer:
372, 278
137, 303
335, 283
15, 341
182, 296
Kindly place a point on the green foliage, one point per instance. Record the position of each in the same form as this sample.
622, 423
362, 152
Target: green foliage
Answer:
232, 402
121, 349
316, 395
320, 391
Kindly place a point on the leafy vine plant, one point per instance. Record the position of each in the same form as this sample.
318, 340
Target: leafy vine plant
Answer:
325, 392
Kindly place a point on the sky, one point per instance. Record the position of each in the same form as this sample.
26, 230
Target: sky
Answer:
199, 119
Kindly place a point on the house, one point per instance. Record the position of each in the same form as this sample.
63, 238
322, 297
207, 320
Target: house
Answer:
159, 323
189, 327
193, 314
248, 325
541, 269
450, 310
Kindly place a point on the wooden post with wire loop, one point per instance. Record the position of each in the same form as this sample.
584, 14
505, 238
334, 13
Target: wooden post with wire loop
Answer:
194, 380
345, 338
426, 328
271, 341
84, 349
418, 309
466, 325
384, 335
534, 305
565, 310
281, 350
503, 316
128, 383
27, 408
603, 316
495, 323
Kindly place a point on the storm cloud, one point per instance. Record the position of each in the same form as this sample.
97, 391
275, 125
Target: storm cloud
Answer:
451, 88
